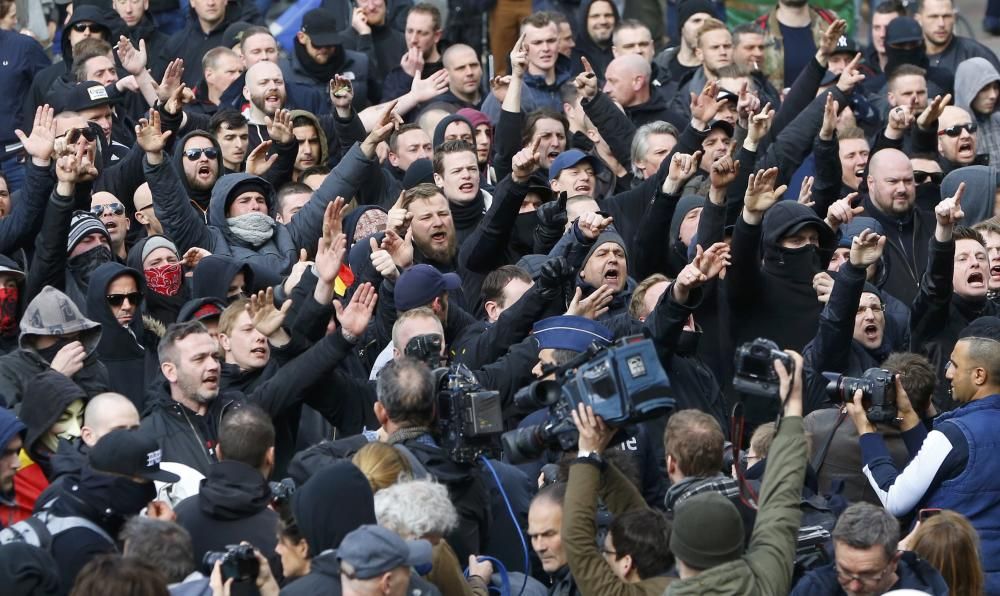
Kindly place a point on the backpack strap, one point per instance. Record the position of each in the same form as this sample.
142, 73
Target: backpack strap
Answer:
820, 457
57, 525
31, 531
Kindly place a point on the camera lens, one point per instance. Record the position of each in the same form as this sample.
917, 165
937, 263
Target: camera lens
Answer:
523, 444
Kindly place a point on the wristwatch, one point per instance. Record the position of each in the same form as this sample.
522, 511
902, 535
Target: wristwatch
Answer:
592, 456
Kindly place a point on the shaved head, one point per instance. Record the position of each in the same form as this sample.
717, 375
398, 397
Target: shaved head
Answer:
634, 64
262, 70
890, 182
107, 412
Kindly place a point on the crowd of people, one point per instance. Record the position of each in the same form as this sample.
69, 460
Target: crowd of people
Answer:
283, 314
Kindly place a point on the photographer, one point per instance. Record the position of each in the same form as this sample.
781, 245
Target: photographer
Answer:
952, 290
708, 559
232, 504
951, 466
634, 558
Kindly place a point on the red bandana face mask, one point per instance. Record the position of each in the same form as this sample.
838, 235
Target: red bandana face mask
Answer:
8, 310
165, 279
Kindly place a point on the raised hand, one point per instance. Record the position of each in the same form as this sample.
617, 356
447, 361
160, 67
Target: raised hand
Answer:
592, 306
866, 248
258, 163
74, 165
842, 211
712, 262
682, 167
900, 120
387, 122
586, 81
829, 118
399, 248
525, 162
929, 117
851, 76
148, 134
806, 191
823, 285
359, 22
760, 125
761, 195
69, 359
354, 317
498, 87
948, 213
412, 61
180, 97
519, 58
592, 224
279, 128
171, 80
298, 270
705, 106
341, 92
382, 261
426, 89
747, 104
133, 60
265, 317
193, 256
594, 434
724, 171
828, 42
40, 144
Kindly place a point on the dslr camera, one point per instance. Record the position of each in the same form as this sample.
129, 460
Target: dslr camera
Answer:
878, 392
754, 365
239, 563
624, 383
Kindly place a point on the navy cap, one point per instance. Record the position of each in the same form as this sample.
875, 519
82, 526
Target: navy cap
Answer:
903, 30
371, 551
420, 284
420, 171
568, 159
569, 332
320, 25
987, 328
130, 452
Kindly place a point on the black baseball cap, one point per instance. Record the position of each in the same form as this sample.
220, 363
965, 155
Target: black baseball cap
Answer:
130, 452
83, 96
320, 25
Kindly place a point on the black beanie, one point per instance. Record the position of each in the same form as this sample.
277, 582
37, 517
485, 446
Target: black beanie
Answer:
420, 171
707, 531
606, 236
689, 8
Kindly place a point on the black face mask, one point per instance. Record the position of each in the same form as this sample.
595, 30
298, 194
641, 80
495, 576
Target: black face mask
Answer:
82, 266
50, 352
522, 238
130, 497
799, 263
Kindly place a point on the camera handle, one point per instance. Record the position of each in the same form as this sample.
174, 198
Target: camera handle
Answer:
736, 424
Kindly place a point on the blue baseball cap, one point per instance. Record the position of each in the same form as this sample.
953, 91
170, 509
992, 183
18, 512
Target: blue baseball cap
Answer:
568, 332
371, 550
420, 284
568, 159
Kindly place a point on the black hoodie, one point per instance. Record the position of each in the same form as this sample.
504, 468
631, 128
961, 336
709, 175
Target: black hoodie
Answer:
51, 394
191, 43
231, 506
163, 309
774, 297
27, 570
199, 198
343, 486
129, 353
599, 56
214, 274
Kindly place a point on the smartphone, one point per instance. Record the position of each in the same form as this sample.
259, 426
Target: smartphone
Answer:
925, 514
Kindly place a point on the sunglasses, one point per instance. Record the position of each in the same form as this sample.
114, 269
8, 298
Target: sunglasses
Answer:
924, 177
954, 131
73, 134
195, 154
81, 27
134, 298
115, 208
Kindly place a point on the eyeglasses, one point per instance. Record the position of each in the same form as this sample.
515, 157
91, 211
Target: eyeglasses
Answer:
924, 177
134, 298
81, 27
864, 578
195, 154
609, 553
116, 209
73, 134
876, 308
955, 131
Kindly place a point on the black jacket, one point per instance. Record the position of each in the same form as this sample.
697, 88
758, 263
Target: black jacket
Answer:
128, 353
599, 56
906, 251
655, 108
769, 288
939, 315
350, 64
385, 47
155, 39
231, 506
191, 43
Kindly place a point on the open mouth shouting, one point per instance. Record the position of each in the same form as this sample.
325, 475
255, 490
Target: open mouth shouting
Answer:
612, 275
976, 279
211, 380
871, 332
204, 171
966, 148
995, 272
467, 188
440, 238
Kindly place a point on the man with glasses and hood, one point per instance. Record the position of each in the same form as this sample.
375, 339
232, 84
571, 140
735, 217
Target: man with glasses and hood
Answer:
977, 91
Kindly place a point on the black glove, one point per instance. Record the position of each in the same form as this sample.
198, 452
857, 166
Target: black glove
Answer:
553, 213
553, 277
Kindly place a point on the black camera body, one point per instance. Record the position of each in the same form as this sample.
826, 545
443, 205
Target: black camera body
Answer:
282, 492
470, 419
624, 383
239, 563
754, 368
425, 348
878, 392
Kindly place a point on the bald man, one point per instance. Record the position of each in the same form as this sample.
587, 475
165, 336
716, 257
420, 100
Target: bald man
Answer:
107, 412
265, 90
465, 76
956, 138
627, 83
892, 197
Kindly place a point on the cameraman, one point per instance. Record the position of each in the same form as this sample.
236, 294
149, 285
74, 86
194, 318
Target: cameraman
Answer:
634, 558
709, 559
953, 466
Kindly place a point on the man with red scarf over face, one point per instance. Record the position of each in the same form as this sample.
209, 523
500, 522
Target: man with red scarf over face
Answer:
158, 259
11, 284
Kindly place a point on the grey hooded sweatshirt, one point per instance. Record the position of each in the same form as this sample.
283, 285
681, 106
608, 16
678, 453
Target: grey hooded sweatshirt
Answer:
51, 313
970, 78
